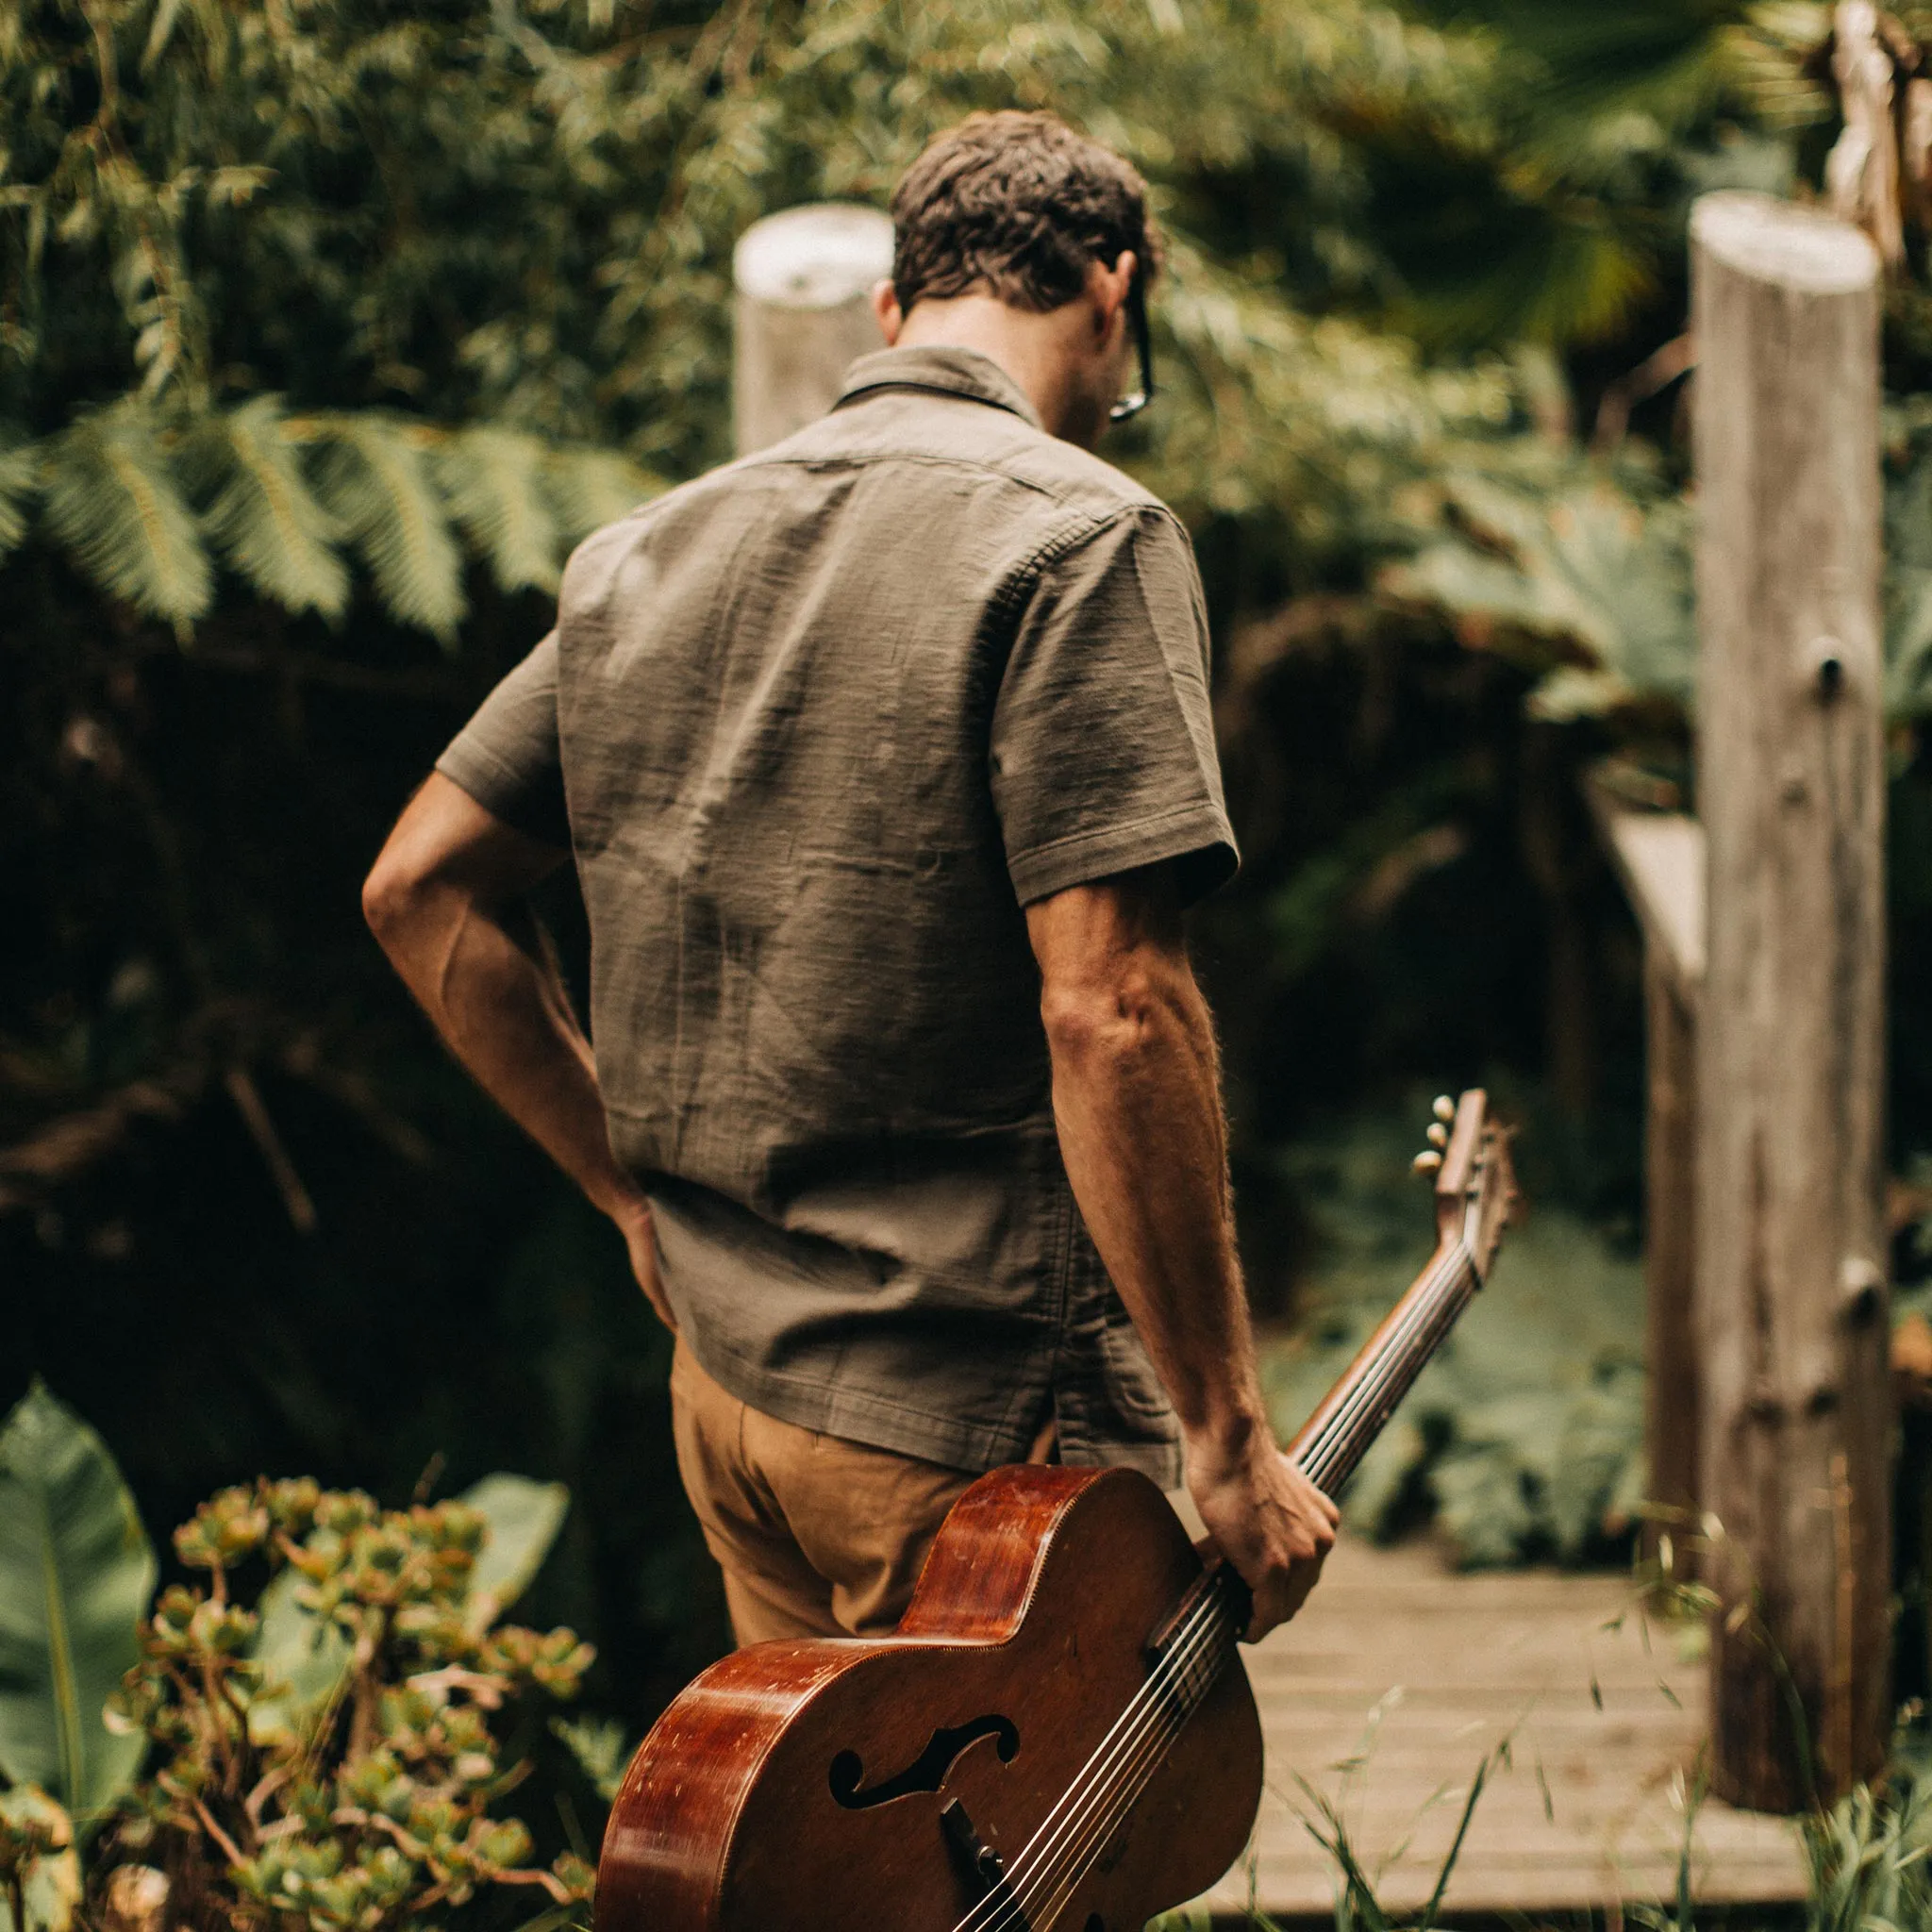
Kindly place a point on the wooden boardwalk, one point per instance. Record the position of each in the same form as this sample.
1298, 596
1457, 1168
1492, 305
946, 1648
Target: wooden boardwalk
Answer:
1415, 1673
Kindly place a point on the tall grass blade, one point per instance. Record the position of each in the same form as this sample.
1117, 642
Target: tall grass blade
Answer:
1435, 1904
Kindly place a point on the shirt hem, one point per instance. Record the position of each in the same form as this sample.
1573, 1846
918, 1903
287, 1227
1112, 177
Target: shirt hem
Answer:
855, 1416
1197, 831
882, 1423
473, 768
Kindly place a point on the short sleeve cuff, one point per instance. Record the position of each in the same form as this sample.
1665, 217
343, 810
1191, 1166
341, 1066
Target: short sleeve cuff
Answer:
1197, 836
502, 792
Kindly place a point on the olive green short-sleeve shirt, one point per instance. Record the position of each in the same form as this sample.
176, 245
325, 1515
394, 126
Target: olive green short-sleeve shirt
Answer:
816, 728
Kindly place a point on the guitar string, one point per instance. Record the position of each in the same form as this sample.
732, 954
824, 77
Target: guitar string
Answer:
1184, 1648
1338, 1433
1420, 1319
1146, 1746
1102, 1811
1108, 1818
1143, 1749
1433, 1306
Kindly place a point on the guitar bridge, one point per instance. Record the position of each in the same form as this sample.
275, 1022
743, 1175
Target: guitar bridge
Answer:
982, 1867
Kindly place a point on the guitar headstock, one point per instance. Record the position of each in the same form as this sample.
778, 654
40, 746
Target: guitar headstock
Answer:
1468, 1155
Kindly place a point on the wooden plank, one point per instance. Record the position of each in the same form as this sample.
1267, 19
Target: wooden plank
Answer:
1671, 1428
1660, 857
1399, 1678
1789, 1301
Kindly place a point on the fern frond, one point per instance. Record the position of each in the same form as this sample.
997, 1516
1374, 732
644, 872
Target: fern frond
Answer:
112, 501
263, 517
19, 482
373, 474
493, 482
590, 488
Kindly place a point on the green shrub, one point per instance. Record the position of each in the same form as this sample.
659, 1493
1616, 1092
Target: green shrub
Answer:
1524, 1437
321, 1720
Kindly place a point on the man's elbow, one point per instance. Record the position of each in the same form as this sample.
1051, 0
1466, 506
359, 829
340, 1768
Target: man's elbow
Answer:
396, 896
1102, 1022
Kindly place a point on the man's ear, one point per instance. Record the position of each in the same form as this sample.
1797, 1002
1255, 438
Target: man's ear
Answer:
1108, 288
885, 305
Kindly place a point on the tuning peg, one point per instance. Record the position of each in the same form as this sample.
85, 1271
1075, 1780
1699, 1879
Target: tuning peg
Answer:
1442, 1108
1439, 1134
1428, 1161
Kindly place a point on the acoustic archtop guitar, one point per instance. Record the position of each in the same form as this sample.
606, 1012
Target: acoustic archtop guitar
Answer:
1060, 1737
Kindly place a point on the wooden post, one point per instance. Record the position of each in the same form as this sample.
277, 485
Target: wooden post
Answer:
1660, 857
1791, 1298
804, 280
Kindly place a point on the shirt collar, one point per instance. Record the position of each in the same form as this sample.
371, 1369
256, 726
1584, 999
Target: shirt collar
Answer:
948, 370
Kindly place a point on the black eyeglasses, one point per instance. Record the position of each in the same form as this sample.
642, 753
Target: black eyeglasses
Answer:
1137, 321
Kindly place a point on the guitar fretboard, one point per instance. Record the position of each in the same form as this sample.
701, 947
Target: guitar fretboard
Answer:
1356, 1410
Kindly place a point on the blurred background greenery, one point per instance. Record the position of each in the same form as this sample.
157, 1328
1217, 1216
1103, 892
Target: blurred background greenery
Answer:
327, 326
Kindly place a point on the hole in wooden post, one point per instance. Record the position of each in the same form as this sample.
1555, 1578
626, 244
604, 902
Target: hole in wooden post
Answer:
1861, 1289
1828, 666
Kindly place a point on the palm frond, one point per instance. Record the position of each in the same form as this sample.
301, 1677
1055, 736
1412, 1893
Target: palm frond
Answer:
263, 516
19, 482
590, 488
1660, 59
492, 481
113, 503
1768, 55
372, 473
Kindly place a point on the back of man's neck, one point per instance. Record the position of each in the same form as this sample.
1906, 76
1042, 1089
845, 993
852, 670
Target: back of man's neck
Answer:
1026, 345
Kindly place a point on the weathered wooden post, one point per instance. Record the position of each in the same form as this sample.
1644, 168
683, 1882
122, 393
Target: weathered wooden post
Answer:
802, 314
1790, 1295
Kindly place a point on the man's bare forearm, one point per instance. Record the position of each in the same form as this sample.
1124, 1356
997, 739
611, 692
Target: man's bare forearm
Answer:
1137, 1100
495, 998
446, 902
445, 899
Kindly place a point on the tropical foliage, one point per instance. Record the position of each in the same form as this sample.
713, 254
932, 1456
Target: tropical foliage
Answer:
212, 287
75, 1576
328, 1757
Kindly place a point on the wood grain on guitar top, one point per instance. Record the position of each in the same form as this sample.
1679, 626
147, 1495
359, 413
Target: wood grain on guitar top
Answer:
788, 1788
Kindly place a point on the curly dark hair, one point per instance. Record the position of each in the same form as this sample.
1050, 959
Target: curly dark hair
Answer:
1017, 203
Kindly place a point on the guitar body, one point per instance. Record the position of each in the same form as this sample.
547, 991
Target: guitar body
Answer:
798, 1786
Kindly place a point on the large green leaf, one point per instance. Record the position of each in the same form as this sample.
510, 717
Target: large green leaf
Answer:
304, 1661
76, 1573
523, 1518
590, 488
20, 481
493, 482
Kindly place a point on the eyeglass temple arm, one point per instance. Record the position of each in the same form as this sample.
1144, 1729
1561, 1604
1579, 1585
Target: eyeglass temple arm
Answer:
1137, 321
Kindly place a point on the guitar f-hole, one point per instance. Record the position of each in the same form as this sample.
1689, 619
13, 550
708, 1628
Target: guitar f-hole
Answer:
927, 1772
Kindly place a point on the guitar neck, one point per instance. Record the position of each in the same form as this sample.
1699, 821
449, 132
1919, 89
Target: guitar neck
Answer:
1201, 1634
1335, 1438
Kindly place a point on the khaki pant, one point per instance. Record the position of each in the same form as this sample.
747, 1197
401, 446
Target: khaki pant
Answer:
817, 1536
